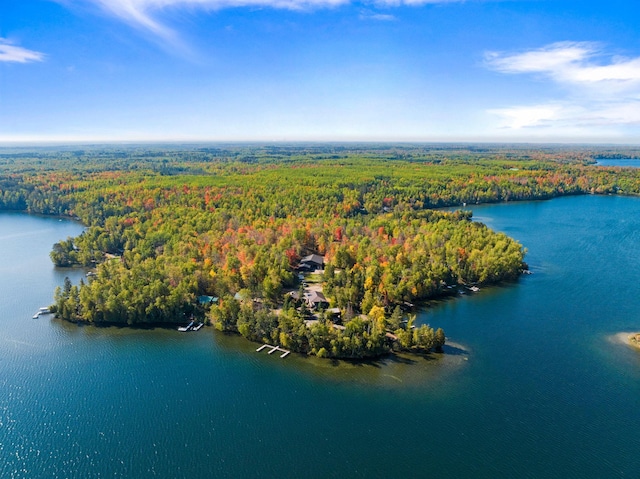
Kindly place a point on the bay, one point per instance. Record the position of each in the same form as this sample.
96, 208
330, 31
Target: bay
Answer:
536, 384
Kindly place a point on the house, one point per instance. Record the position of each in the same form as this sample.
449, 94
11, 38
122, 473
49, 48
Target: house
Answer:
316, 300
311, 262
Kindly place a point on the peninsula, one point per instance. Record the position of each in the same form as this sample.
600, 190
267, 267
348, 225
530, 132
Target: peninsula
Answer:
320, 249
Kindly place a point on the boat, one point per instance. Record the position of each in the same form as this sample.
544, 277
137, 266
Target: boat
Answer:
195, 328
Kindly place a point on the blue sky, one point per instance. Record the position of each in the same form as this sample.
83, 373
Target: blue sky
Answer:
320, 70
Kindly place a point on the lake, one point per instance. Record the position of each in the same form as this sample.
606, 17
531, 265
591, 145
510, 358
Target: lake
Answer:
534, 386
626, 162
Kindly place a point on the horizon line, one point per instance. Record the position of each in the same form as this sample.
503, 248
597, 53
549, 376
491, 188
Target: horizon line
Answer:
189, 142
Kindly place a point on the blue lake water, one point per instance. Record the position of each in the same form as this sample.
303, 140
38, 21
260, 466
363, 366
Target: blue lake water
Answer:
626, 162
535, 383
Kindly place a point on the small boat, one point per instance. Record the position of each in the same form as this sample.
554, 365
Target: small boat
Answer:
195, 328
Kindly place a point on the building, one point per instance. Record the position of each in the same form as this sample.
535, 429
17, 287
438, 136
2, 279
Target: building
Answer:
311, 262
316, 300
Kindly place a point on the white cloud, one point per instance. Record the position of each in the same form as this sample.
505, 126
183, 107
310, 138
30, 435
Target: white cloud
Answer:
144, 13
549, 59
600, 89
568, 62
624, 70
14, 53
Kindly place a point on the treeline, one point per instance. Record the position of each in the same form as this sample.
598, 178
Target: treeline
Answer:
95, 184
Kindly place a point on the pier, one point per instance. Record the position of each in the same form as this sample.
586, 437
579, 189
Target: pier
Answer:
192, 326
40, 312
187, 327
284, 354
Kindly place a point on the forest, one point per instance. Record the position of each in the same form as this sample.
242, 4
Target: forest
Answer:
167, 225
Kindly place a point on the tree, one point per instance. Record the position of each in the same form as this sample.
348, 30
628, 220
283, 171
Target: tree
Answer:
395, 321
225, 316
439, 339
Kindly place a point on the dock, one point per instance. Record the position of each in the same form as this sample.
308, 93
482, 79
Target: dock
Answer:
187, 327
192, 326
40, 312
284, 352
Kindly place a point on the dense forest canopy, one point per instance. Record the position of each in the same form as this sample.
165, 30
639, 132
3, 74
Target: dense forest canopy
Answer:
166, 225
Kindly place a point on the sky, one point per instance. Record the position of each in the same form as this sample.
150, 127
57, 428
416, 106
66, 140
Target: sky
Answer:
320, 70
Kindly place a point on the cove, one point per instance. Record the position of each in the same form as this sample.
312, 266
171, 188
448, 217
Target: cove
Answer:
541, 391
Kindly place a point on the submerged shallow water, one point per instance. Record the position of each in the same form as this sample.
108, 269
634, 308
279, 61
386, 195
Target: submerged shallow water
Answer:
537, 387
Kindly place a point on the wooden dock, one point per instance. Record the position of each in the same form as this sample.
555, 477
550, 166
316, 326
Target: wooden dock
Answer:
284, 354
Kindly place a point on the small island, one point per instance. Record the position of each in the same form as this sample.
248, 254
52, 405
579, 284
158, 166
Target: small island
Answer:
319, 249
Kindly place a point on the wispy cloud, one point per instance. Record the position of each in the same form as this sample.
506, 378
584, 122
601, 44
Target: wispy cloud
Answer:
549, 59
145, 14
379, 17
569, 62
600, 89
140, 14
13, 53
413, 3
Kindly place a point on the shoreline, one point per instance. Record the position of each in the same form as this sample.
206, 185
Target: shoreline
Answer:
628, 338
394, 372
